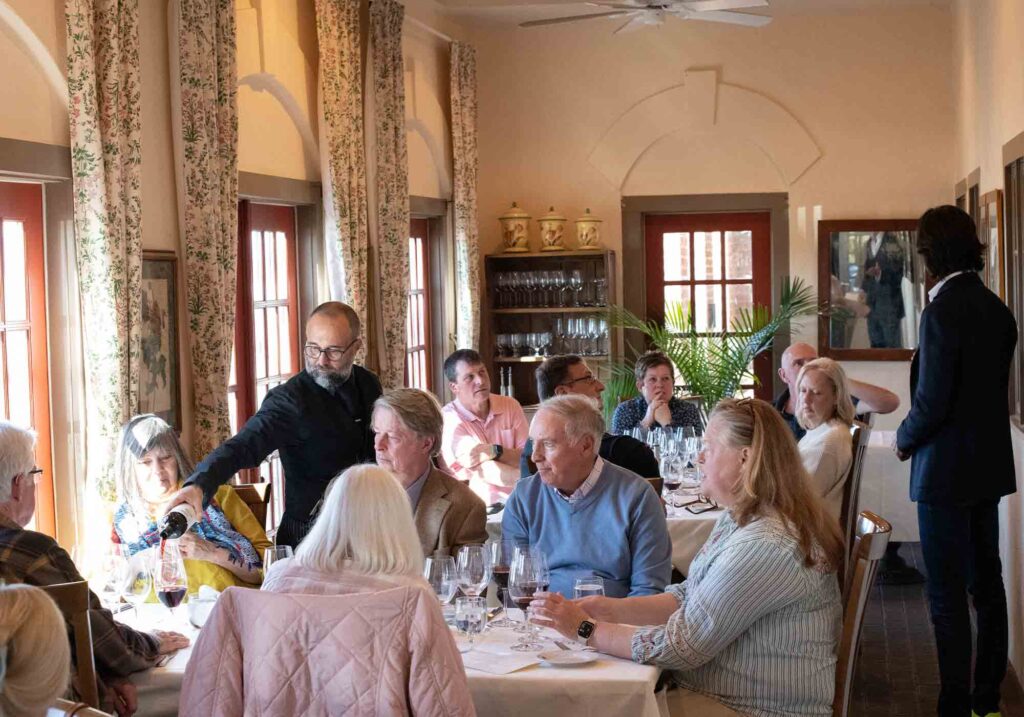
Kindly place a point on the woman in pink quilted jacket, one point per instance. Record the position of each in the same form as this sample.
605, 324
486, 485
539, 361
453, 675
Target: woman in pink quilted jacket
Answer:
347, 626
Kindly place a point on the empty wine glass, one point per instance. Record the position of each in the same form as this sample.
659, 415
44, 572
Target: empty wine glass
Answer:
543, 282
528, 576
558, 283
137, 579
559, 331
473, 569
470, 616
501, 554
530, 288
439, 571
576, 284
169, 578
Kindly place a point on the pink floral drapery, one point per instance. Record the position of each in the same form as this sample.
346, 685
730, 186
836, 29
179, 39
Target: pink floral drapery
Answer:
204, 85
103, 87
467, 249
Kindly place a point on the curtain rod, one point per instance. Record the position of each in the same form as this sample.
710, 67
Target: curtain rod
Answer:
424, 26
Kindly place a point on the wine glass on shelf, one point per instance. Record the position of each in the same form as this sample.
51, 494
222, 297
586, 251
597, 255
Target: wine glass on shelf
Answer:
576, 284
558, 282
529, 288
559, 332
528, 576
501, 554
543, 283
470, 616
169, 578
516, 285
603, 337
473, 569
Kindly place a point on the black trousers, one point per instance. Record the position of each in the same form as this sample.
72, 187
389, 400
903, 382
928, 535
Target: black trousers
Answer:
291, 531
961, 552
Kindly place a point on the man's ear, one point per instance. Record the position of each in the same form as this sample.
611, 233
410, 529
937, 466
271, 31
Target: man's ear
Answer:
18, 486
782, 375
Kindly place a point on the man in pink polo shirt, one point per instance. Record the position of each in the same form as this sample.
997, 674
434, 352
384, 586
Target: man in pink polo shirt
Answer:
484, 434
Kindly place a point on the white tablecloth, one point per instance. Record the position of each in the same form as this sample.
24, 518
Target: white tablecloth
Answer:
609, 686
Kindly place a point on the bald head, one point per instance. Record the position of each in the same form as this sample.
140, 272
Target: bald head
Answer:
793, 359
334, 311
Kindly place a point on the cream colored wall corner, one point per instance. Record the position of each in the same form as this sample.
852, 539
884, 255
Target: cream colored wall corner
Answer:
989, 89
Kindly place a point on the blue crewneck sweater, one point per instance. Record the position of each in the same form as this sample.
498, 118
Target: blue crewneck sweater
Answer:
617, 531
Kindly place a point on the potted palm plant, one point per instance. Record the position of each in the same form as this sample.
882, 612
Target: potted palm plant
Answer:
712, 366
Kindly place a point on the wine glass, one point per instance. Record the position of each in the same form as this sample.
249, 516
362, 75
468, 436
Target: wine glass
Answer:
439, 571
105, 580
137, 579
169, 578
473, 569
558, 282
470, 616
543, 282
576, 284
528, 576
501, 554
274, 553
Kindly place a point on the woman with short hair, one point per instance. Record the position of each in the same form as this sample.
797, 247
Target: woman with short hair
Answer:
824, 409
656, 405
35, 658
754, 628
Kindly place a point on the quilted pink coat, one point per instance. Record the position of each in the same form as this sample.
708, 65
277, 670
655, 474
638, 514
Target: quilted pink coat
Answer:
367, 653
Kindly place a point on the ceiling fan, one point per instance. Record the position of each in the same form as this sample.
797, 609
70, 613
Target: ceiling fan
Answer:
645, 13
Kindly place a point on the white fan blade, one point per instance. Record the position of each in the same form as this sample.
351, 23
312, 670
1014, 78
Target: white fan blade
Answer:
711, 5
635, 23
617, 6
733, 18
572, 18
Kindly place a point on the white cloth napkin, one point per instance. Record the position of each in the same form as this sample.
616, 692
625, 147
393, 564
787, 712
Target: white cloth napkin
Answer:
497, 664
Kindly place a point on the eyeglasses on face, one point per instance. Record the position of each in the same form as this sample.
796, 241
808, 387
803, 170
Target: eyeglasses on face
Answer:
588, 379
334, 353
35, 475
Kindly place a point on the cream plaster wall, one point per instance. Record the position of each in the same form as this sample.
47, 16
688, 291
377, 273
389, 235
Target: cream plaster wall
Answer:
989, 87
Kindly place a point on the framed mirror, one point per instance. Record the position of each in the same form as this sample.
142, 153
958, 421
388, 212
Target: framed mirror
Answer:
871, 287
990, 232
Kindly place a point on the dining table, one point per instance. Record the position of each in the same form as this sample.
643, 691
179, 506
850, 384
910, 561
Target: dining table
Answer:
501, 681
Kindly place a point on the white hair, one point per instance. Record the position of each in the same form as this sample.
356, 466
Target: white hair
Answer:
366, 519
17, 455
580, 415
38, 658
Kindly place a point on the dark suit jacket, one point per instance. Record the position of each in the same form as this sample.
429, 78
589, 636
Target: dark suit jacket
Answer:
958, 428
449, 515
624, 451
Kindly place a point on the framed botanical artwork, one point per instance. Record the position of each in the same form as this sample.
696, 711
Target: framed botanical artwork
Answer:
990, 232
159, 375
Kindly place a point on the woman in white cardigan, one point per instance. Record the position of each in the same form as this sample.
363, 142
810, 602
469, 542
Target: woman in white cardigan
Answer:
824, 408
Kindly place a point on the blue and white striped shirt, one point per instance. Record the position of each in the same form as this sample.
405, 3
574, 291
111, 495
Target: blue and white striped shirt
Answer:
755, 628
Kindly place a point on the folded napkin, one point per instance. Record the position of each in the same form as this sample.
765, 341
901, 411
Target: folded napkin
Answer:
497, 664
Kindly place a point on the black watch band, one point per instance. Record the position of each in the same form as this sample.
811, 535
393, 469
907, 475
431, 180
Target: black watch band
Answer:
585, 630
497, 451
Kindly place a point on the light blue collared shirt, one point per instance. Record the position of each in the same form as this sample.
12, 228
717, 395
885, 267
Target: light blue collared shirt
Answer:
416, 488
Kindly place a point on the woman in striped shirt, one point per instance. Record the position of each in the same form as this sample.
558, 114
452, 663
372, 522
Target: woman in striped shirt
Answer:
754, 628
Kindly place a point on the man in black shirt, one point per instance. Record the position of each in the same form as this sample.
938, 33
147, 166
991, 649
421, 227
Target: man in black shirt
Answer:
561, 375
318, 421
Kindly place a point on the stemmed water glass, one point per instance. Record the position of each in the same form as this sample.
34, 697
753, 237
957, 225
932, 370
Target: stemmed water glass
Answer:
470, 616
473, 569
528, 576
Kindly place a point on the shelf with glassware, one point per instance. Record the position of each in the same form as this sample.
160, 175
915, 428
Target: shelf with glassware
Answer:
544, 304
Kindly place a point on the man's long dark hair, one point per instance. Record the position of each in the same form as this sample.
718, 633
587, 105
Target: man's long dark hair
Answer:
947, 239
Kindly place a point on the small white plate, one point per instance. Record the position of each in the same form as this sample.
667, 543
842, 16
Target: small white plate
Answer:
564, 658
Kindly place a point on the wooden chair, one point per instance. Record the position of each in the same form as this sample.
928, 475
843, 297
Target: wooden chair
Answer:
851, 492
66, 708
869, 546
657, 484
257, 497
73, 601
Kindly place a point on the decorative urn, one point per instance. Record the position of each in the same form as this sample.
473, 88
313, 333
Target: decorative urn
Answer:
552, 230
588, 231
515, 229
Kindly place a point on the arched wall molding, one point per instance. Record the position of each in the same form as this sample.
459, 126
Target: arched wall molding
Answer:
422, 111
269, 83
436, 153
35, 49
703, 104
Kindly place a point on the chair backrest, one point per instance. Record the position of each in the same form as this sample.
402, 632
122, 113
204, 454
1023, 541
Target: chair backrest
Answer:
657, 484
257, 497
872, 536
73, 601
66, 708
851, 491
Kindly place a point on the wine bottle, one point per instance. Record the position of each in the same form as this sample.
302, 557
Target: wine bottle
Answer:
177, 522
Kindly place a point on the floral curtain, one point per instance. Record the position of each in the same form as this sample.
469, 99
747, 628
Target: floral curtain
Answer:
392, 184
103, 87
342, 149
467, 250
205, 126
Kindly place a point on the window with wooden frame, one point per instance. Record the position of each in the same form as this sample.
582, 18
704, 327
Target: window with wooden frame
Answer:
418, 367
266, 350
24, 382
716, 264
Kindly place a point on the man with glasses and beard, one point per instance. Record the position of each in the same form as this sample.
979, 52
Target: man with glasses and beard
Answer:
318, 421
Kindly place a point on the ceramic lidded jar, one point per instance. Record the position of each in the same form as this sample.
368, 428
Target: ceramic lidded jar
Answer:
515, 229
552, 231
588, 231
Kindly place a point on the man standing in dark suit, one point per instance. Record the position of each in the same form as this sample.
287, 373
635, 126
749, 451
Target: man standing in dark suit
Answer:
958, 433
319, 421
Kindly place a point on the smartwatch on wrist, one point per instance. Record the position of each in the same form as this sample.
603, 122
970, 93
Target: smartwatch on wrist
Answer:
585, 630
497, 449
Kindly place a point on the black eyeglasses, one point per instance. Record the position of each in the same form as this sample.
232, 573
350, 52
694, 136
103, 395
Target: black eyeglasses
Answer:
334, 353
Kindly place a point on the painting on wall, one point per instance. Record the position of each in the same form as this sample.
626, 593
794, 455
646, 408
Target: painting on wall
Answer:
159, 384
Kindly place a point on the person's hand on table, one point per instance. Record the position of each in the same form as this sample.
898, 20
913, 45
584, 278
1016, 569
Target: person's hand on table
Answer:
168, 642
191, 494
125, 698
554, 611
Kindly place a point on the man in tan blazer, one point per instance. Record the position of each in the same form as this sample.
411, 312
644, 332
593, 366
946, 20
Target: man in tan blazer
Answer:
407, 424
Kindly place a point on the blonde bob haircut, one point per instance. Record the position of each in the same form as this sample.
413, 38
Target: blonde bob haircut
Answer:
365, 525
35, 658
834, 373
773, 481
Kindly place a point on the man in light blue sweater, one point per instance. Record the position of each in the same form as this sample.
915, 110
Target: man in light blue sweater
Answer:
588, 516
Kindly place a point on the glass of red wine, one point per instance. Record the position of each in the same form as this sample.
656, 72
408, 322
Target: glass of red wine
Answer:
528, 576
169, 578
502, 552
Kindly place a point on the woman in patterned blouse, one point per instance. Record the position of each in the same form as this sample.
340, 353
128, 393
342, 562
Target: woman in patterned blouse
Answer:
754, 628
655, 406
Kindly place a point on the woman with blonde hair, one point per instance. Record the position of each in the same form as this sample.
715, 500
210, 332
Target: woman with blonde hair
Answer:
825, 410
35, 659
754, 628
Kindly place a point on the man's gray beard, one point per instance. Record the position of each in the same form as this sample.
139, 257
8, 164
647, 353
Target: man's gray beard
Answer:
326, 379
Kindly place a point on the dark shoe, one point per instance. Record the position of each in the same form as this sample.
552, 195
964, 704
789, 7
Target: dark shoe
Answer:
905, 575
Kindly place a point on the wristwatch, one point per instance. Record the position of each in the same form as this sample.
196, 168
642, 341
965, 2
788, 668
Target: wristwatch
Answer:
497, 450
585, 630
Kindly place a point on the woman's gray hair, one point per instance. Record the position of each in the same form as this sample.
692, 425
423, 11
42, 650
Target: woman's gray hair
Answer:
34, 640
366, 520
418, 411
17, 455
139, 436
845, 411
581, 417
